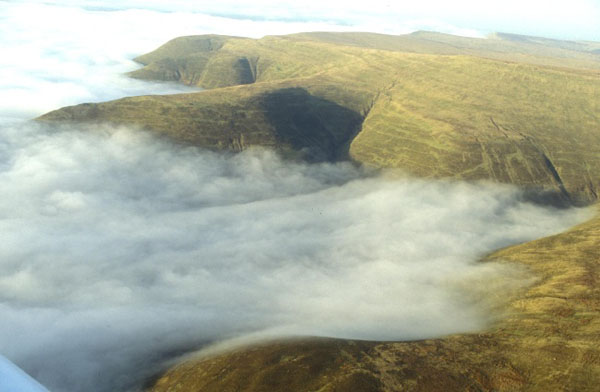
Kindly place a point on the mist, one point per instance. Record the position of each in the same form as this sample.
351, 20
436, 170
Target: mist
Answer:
573, 20
121, 251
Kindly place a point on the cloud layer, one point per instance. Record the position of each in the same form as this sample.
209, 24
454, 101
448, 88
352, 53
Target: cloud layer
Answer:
575, 19
120, 251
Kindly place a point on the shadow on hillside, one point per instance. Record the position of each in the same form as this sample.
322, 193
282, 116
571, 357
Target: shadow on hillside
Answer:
318, 129
548, 197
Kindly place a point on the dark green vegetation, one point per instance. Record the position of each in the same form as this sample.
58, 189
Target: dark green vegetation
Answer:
512, 109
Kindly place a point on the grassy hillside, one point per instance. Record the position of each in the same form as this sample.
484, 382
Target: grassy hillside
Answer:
288, 118
472, 118
547, 342
211, 61
499, 46
432, 115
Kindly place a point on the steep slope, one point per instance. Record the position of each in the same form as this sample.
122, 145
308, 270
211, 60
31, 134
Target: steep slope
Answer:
480, 119
185, 60
430, 115
297, 121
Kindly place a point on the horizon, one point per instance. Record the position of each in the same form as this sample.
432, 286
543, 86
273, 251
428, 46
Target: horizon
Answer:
574, 20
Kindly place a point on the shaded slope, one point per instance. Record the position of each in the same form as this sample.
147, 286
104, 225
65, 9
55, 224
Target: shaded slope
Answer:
547, 342
326, 365
287, 118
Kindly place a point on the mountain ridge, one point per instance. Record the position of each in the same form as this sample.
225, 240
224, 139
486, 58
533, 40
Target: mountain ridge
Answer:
431, 115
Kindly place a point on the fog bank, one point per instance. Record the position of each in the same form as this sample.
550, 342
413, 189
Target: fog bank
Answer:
120, 250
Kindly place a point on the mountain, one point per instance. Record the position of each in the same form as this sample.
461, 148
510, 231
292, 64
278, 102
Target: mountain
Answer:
511, 109
329, 96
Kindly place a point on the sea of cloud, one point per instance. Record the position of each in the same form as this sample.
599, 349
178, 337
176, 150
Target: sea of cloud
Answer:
120, 251
576, 19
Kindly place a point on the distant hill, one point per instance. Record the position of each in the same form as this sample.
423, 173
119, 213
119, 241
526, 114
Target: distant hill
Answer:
499, 46
512, 109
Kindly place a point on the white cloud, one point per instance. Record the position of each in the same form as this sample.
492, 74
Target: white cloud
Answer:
110, 236
119, 250
557, 18
57, 56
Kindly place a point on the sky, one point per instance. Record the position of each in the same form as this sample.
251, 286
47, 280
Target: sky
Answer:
576, 19
120, 250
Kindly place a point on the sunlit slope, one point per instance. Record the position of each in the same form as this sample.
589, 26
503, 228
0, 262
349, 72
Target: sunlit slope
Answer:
214, 61
499, 46
430, 115
548, 341
480, 119
184, 59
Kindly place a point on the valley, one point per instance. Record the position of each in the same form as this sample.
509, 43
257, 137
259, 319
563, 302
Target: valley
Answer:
508, 109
